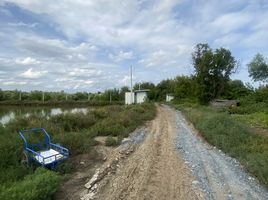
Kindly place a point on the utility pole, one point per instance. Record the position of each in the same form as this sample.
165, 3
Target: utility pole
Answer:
110, 96
88, 96
66, 97
20, 96
131, 88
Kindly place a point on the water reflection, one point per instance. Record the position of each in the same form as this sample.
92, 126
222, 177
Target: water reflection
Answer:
10, 112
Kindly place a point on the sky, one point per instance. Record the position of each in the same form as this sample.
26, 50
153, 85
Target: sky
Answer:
89, 45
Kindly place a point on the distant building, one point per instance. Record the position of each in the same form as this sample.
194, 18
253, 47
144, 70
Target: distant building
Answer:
138, 96
169, 97
219, 103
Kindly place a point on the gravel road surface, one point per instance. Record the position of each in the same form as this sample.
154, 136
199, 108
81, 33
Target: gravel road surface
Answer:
218, 175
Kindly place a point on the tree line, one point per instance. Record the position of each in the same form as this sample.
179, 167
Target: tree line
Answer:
210, 80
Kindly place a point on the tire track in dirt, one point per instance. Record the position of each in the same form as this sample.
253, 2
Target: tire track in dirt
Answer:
154, 170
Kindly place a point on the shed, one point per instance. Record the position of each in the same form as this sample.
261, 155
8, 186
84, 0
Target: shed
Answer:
219, 103
169, 97
138, 96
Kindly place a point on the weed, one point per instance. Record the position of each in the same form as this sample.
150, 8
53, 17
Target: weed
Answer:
110, 141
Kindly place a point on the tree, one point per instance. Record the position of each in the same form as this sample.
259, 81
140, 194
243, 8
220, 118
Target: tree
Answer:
212, 71
184, 87
123, 90
258, 68
163, 88
236, 89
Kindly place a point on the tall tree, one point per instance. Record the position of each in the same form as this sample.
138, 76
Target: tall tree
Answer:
258, 68
212, 71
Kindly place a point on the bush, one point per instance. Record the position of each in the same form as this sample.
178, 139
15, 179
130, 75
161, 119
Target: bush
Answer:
110, 141
41, 185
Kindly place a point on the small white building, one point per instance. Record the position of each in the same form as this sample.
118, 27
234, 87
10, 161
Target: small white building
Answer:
138, 96
169, 97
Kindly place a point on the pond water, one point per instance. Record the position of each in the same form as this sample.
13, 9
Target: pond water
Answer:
7, 113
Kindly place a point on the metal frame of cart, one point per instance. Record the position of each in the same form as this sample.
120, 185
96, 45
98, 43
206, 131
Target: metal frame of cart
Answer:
42, 152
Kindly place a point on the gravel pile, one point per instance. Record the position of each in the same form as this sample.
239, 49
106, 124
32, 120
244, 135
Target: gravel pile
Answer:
216, 174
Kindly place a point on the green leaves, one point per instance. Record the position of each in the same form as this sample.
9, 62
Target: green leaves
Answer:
212, 71
258, 68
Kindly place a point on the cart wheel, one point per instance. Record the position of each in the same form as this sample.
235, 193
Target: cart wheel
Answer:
25, 159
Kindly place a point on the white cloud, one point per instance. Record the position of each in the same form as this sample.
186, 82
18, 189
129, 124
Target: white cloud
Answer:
14, 83
88, 72
32, 74
232, 21
21, 24
27, 61
121, 56
156, 36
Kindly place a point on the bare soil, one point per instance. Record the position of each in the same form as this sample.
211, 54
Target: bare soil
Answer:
150, 170
85, 166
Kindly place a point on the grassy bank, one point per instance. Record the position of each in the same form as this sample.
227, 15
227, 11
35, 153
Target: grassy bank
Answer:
233, 137
76, 131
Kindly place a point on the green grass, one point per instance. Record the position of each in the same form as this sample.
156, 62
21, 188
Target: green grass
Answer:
257, 119
110, 141
76, 131
41, 185
233, 137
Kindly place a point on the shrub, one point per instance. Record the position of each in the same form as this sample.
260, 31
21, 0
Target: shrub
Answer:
41, 185
110, 141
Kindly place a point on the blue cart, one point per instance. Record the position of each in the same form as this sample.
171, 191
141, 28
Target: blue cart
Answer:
39, 149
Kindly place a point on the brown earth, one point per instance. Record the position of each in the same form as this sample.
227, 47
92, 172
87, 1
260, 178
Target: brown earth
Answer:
84, 166
154, 170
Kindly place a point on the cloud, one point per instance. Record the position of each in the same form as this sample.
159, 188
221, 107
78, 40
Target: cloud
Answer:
89, 44
27, 61
121, 56
32, 74
81, 72
21, 24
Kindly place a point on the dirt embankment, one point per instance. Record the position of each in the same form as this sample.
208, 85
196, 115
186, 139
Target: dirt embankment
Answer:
153, 171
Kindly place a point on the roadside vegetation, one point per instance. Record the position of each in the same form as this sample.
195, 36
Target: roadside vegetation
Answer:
76, 131
241, 131
231, 136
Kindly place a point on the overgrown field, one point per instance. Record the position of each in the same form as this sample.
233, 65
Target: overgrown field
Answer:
76, 131
232, 136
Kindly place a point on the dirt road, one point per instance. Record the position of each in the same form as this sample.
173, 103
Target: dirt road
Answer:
153, 171
168, 161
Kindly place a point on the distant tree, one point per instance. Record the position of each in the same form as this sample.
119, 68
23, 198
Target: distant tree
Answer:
258, 68
122, 92
184, 87
1, 95
212, 71
236, 89
163, 88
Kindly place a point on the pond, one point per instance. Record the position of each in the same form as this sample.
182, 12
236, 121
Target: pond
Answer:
7, 113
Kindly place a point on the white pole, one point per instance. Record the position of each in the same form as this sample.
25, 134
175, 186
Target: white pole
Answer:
131, 89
